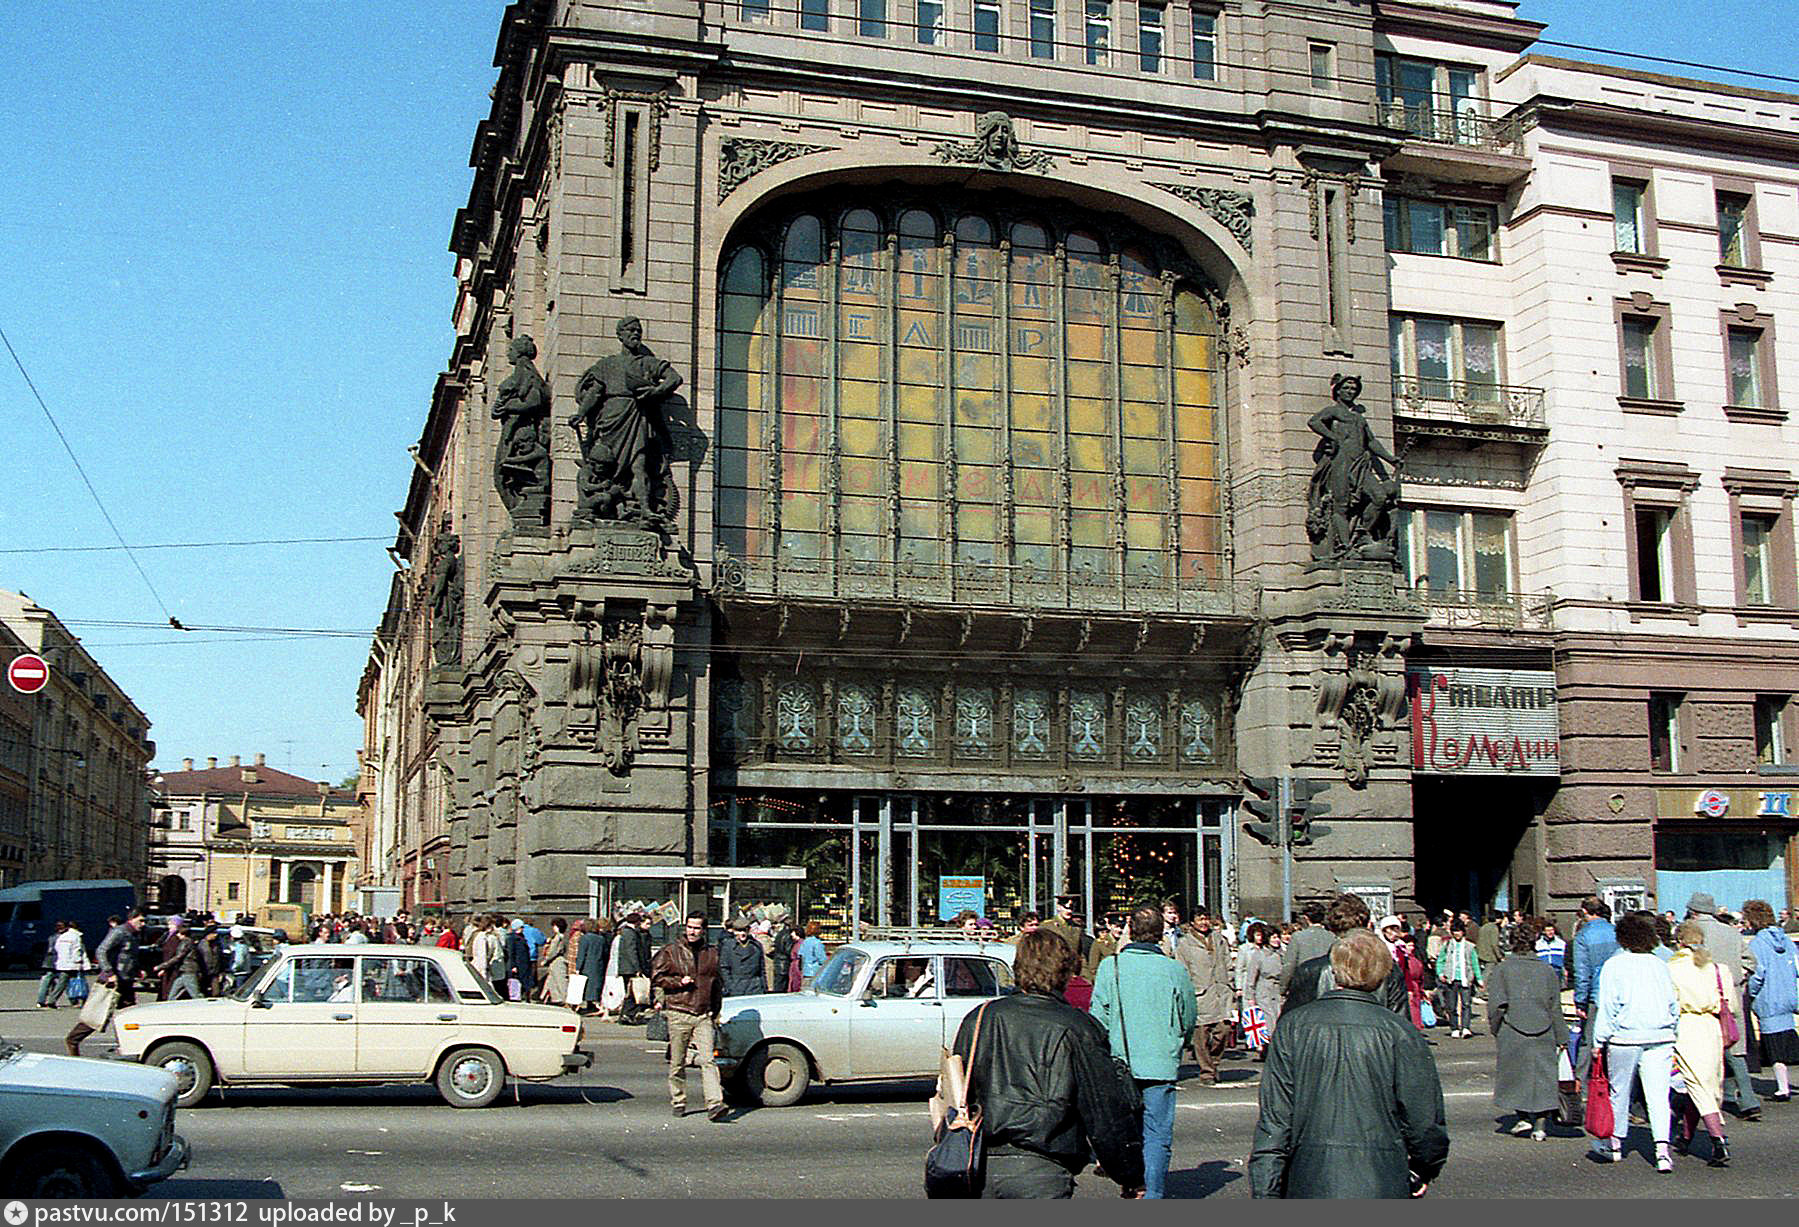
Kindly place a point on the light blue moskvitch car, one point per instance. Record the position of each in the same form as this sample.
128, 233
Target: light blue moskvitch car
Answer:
879, 1010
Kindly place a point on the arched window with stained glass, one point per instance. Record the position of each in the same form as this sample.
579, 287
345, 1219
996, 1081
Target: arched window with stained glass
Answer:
972, 405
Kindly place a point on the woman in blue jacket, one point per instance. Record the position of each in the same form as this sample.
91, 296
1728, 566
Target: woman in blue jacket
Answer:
1774, 993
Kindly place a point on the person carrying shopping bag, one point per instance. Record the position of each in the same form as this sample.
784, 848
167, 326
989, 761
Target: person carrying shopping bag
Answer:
1458, 972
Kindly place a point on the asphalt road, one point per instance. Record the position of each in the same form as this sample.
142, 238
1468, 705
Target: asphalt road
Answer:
610, 1133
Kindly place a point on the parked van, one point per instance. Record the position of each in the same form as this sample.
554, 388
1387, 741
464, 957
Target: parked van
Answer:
30, 910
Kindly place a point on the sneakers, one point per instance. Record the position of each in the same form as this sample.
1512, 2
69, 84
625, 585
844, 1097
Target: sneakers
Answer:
680, 1112
1521, 1127
1537, 1135
717, 1113
1720, 1153
1664, 1164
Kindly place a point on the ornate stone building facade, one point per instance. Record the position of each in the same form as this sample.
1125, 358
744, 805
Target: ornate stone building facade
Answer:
964, 507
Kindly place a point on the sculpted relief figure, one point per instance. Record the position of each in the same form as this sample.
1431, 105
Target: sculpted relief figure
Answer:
624, 438
521, 463
1355, 482
445, 579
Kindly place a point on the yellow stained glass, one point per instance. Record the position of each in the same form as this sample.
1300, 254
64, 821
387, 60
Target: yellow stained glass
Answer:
1195, 459
858, 361
917, 403
976, 445
1089, 379
1141, 383
863, 515
975, 522
1144, 531
1030, 375
1086, 341
918, 441
1091, 527
920, 366
1142, 421
862, 475
1090, 489
862, 437
1031, 412
1193, 425
800, 513
1145, 494
977, 408
859, 399
1032, 449
1146, 456
1192, 352
1140, 347
1192, 387
1088, 417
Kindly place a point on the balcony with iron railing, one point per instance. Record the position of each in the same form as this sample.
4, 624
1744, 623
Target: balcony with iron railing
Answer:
1460, 609
1467, 409
1457, 143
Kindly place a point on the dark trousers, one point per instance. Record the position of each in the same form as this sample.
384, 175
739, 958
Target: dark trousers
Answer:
1016, 1174
1461, 1006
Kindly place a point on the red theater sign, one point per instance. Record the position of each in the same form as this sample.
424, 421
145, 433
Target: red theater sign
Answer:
1484, 722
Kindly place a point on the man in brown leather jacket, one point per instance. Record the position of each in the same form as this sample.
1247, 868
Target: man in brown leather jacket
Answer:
686, 970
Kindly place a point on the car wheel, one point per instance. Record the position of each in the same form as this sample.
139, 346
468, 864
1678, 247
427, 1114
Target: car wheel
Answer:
777, 1075
58, 1170
190, 1065
471, 1078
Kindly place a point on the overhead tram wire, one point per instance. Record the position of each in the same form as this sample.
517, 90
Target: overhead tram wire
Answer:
88, 482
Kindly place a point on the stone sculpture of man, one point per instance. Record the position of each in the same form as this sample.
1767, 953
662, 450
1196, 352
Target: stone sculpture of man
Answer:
1353, 493
446, 599
522, 456
623, 435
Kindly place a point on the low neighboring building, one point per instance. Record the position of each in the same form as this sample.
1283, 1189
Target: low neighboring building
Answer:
87, 810
233, 839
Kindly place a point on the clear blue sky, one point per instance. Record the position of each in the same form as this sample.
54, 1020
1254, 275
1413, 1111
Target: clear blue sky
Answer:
223, 252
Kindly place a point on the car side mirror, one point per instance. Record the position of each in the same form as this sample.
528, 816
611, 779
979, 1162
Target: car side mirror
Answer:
259, 1002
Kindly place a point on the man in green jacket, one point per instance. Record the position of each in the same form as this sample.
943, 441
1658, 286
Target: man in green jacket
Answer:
1145, 1002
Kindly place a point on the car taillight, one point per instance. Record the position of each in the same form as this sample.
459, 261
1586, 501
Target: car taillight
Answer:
570, 1030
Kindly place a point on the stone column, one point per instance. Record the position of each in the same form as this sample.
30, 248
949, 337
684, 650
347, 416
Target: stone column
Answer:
325, 882
285, 868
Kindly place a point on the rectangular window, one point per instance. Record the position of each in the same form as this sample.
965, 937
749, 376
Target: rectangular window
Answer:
986, 25
1205, 46
1664, 733
755, 10
1451, 552
1655, 559
815, 14
1770, 738
872, 18
1150, 26
1323, 58
1733, 229
1642, 371
1099, 31
231, 891
1629, 229
1428, 99
1446, 359
1745, 373
1758, 559
1043, 29
1438, 228
930, 23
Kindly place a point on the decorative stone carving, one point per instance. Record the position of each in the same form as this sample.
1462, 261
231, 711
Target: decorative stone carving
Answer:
624, 436
605, 693
1360, 717
1353, 495
1233, 210
1390, 701
623, 550
741, 158
446, 599
521, 461
1333, 681
658, 104
995, 147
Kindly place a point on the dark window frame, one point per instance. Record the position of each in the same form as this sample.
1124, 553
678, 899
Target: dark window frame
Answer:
1664, 487
1641, 307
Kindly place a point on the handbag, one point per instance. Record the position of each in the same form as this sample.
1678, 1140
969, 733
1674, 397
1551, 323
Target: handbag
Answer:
1567, 1090
1599, 1098
577, 990
1426, 1015
78, 988
97, 1012
956, 1163
1727, 1018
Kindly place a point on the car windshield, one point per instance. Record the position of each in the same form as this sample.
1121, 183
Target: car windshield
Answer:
252, 982
841, 973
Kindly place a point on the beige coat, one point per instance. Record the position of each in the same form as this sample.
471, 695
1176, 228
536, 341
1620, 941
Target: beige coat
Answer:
1699, 1036
1208, 964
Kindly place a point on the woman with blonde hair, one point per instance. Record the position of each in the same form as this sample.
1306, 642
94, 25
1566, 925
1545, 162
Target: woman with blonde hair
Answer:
1704, 993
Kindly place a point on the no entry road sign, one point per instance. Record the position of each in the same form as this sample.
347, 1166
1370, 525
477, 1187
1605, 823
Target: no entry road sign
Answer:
28, 674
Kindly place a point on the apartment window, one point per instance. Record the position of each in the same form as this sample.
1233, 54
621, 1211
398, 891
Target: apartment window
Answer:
1427, 99
930, 22
1770, 736
1630, 217
1150, 26
1655, 554
986, 25
1445, 359
1758, 557
1043, 29
815, 14
1645, 358
755, 10
1439, 228
1744, 370
1450, 552
1664, 733
1323, 59
1205, 46
872, 18
1641, 381
231, 891
1099, 31
1733, 229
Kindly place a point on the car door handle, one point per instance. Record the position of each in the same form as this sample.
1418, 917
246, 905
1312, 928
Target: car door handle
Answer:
342, 1017
446, 1018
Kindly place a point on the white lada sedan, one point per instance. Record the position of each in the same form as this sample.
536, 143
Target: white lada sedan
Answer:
371, 1013
879, 1010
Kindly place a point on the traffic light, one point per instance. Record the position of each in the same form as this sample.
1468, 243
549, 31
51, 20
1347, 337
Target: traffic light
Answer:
1259, 800
1305, 807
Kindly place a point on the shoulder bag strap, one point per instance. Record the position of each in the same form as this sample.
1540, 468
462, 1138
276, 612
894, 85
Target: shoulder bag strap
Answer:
974, 1045
1118, 986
